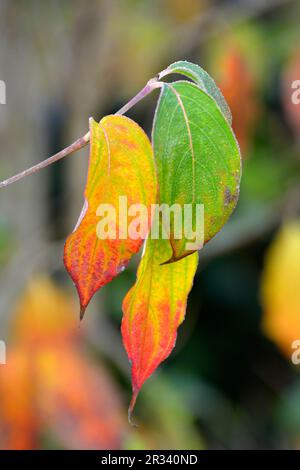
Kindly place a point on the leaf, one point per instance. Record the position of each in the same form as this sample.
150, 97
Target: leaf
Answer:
280, 291
198, 159
49, 382
238, 85
121, 164
18, 410
204, 81
82, 394
44, 314
153, 309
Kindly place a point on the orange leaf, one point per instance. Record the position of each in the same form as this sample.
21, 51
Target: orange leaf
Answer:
44, 315
239, 88
154, 308
281, 288
19, 421
78, 400
121, 164
50, 384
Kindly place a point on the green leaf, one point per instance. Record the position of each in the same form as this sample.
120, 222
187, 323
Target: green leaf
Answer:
203, 80
198, 159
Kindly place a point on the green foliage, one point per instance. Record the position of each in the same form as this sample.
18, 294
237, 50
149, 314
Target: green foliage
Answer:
198, 159
204, 81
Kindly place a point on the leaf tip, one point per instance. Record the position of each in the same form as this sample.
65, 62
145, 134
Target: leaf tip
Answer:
131, 408
82, 312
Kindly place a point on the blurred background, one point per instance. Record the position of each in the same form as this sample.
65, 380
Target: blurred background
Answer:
230, 383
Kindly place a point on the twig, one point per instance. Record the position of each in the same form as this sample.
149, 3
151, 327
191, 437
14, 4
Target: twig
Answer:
77, 145
82, 141
151, 85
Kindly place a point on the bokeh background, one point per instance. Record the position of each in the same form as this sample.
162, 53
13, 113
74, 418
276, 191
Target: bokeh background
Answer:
230, 382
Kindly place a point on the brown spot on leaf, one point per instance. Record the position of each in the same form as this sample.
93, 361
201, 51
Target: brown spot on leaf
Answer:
229, 198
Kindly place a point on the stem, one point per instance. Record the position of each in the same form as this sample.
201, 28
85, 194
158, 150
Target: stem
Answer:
82, 141
151, 85
77, 145
164, 73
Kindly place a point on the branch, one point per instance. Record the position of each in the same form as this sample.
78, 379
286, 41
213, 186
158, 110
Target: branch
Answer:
151, 85
77, 145
82, 141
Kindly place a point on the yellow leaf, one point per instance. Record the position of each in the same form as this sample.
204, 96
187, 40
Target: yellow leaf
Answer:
281, 288
121, 164
43, 314
154, 308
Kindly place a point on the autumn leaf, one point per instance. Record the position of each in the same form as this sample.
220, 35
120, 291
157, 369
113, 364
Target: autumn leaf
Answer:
43, 315
19, 421
71, 389
281, 288
154, 308
49, 384
198, 160
121, 164
239, 88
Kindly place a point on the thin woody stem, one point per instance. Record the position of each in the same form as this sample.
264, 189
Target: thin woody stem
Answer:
82, 141
151, 85
77, 145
